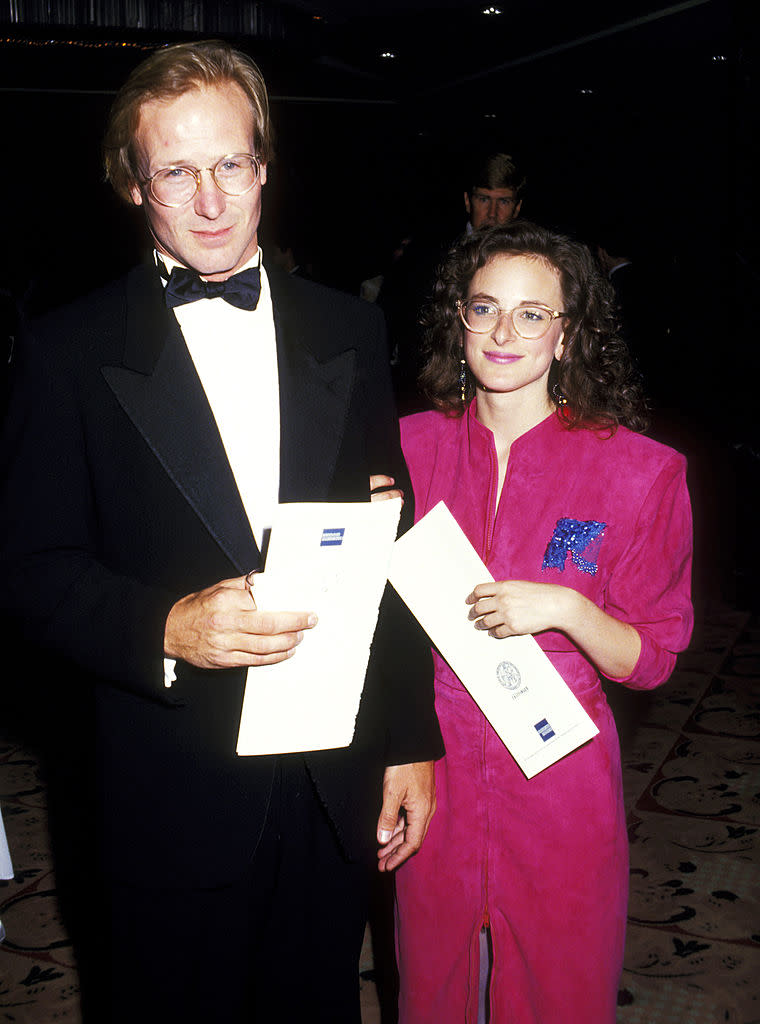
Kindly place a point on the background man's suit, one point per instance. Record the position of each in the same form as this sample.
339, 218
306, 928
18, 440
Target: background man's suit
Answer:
121, 501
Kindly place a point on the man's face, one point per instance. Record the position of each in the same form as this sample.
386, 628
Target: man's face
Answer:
491, 207
214, 234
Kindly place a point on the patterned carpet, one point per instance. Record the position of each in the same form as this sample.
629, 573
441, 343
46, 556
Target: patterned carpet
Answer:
692, 782
38, 979
691, 755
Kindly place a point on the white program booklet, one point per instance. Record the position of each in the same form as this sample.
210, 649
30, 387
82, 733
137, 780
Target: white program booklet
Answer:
331, 559
539, 719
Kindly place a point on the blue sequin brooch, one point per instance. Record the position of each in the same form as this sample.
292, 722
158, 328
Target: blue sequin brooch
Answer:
581, 539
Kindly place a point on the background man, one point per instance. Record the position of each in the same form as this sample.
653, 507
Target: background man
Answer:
493, 196
152, 430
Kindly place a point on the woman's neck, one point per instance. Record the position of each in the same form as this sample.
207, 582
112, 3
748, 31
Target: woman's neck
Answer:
509, 415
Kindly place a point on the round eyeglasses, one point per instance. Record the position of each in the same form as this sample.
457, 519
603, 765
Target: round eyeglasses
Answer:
530, 321
234, 174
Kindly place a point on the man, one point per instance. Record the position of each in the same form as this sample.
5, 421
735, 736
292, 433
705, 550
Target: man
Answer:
493, 196
153, 428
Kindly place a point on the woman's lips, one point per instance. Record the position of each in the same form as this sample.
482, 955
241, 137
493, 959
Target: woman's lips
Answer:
501, 357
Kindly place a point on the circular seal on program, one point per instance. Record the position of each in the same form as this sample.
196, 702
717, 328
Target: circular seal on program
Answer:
508, 675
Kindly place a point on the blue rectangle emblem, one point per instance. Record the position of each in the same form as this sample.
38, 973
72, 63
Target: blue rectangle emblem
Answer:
332, 538
544, 730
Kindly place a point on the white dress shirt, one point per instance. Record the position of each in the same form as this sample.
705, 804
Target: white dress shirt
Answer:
235, 356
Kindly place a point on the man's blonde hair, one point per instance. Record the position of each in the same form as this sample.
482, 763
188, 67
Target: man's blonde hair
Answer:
169, 73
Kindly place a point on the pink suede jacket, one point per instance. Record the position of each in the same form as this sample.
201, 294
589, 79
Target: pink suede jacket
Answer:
608, 516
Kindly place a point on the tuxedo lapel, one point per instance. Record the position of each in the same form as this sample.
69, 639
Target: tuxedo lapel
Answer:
316, 385
160, 391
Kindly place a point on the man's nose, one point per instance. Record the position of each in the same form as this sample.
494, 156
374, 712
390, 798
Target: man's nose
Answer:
210, 201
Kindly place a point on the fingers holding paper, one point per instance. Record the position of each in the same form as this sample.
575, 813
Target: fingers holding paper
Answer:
381, 488
408, 806
220, 627
516, 607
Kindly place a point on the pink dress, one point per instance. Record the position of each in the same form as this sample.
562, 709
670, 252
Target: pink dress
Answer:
543, 863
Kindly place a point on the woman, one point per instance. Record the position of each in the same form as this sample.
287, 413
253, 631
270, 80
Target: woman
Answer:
585, 525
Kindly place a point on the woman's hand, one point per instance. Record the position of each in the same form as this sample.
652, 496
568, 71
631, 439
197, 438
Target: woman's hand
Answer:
515, 607
378, 480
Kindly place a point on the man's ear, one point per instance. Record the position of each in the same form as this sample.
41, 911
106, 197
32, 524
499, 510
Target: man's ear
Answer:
263, 173
467, 202
518, 206
135, 194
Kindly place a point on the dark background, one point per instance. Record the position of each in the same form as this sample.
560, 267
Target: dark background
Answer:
625, 115
635, 122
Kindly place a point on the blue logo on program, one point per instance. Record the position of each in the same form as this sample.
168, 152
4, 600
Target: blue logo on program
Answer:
332, 538
544, 730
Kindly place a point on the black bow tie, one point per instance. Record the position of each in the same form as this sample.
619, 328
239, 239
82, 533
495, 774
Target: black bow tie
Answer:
241, 290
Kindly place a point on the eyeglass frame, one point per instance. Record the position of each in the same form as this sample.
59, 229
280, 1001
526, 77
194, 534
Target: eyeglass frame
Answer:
196, 173
555, 314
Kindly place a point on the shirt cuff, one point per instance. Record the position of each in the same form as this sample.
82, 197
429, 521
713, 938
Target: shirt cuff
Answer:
170, 676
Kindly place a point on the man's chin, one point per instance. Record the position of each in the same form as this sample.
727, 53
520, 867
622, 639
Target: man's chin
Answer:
218, 264
214, 267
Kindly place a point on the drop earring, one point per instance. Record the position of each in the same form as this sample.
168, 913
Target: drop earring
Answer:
559, 398
463, 378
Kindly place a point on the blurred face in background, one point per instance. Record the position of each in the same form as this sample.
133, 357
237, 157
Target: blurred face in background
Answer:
491, 207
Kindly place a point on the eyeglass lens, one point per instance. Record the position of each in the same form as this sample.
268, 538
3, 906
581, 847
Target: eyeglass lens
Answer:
234, 175
530, 322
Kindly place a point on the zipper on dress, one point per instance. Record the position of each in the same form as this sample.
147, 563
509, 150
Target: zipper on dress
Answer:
486, 920
492, 504
484, 932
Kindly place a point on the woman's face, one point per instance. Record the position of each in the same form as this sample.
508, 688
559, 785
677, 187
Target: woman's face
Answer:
501, 360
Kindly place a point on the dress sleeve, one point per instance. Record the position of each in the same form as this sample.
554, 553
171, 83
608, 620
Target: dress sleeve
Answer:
400, 685
417, 441
651, 587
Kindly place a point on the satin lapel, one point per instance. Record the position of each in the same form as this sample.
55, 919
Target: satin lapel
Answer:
159, 390
315, 395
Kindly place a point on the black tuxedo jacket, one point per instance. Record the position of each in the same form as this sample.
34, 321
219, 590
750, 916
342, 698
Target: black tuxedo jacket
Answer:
119, 500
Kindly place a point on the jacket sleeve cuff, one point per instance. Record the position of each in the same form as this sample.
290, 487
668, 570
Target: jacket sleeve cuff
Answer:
654, 666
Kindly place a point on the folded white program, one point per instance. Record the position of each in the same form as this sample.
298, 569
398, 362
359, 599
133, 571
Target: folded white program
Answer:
6, 865
538, 718
330, 558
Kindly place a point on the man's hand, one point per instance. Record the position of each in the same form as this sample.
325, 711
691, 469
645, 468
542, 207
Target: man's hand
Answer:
219, 627
379, 480
411, 787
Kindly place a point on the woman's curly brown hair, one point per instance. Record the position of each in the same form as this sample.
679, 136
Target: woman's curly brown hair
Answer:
595, 374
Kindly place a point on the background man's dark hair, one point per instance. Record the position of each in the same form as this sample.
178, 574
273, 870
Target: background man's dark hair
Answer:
495, 170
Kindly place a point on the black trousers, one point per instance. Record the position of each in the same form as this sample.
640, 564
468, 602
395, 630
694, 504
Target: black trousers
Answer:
282, 945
